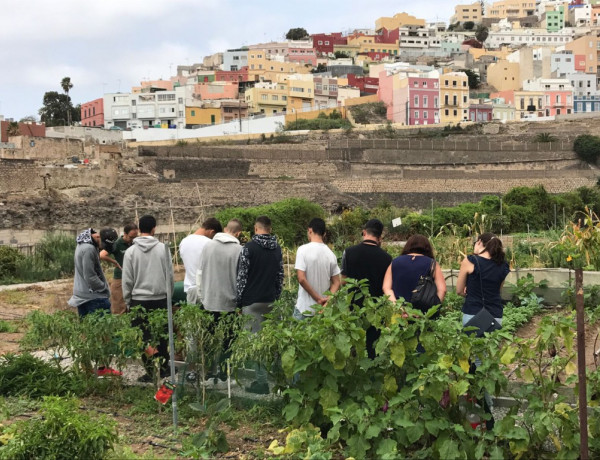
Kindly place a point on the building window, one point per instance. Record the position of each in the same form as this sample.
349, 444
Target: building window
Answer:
425, 100
274, 97
416, 101
263, 97
416, 114
454, 112
284, 98
166, 97
180, 114
180, 100
424, 114
193, 113
435, 102
133, 103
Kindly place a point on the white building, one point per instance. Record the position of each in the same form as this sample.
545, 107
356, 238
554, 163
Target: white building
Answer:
529, 37
235, 59
144, 110
580, 15
562, 64
418, 37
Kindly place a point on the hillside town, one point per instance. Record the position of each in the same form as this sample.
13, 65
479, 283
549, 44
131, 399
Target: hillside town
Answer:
508, 60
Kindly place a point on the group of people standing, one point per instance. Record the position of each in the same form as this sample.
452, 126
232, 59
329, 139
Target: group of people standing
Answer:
224, 277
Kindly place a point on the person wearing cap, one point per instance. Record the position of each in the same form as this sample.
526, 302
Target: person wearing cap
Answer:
317, 270
368, 261
90, 289
130, 232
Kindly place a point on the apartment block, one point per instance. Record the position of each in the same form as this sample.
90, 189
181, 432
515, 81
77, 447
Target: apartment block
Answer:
465, 13
454, 97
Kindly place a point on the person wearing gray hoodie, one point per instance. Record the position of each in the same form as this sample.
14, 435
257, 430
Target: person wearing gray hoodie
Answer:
147, 274
218, 273
218, 269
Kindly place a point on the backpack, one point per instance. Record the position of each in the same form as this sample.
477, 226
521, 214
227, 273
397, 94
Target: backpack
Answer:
424, 295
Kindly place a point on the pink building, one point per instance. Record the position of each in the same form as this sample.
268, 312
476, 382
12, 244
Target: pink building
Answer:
580, 63
302, 55
481, 112
558, 102
216, 90
92, 113
411, 98
423, 99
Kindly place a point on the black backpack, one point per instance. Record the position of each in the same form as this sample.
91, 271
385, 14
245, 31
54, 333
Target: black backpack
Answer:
424, 295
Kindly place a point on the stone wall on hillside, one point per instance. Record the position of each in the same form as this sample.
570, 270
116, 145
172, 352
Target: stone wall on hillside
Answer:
41, 148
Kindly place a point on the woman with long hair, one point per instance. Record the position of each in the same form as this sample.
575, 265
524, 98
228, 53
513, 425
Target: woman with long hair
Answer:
480, 279
404, 272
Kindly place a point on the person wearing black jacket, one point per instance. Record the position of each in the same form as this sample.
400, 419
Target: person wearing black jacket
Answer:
259, 283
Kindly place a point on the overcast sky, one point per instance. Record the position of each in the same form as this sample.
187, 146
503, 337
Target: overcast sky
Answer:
110, 45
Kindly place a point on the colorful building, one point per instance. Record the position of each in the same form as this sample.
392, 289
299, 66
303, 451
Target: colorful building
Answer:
92, 113
587, 46
323, 43
326, 92
267, 98
481, 112
301, 93
511, 9
454, 96
232, 75
397, 21
466, 13
555, 20
216, 90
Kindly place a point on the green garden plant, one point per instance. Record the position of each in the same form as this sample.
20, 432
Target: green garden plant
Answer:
62, 432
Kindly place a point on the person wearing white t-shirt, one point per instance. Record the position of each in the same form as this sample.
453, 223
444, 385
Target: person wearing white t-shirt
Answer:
317, 270
190, 249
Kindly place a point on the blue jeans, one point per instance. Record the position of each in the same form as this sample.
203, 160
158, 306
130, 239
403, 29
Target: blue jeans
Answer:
91, 306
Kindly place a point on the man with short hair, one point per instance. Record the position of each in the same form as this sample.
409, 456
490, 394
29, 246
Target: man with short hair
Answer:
191, 248
218, 269
368, 261
317, 270
259, 284
130, 232
147, 275
90, 288
218, 275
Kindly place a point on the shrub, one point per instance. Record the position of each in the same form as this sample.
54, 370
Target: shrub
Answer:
26, 375
289, 217
587, 147
9, 259
61, 433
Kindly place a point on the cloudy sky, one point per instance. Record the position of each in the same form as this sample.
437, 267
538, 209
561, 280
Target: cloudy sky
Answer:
110, 45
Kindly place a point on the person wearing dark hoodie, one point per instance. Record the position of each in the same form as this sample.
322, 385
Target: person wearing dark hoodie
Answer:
259, 283
218, 273
147, 274
90, 288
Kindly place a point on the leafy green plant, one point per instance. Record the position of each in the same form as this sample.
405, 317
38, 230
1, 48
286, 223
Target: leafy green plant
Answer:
545, 138
304, 442
587, 147
389, 406
9, 258
211, 439
547, 416
523, 292
62, 432
26, 375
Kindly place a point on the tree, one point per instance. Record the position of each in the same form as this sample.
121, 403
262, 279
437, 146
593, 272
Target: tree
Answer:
66, 86
320, 68
481, 33
12, 129
468, 25
28, 119
587, 147
474, 80
298, 33
57, 109
341, 55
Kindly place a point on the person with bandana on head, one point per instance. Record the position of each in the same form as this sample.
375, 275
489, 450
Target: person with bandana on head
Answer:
90, 288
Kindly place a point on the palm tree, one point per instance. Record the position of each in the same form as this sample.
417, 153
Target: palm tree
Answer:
66, 85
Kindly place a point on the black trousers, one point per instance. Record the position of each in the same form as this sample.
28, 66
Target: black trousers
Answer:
142, 323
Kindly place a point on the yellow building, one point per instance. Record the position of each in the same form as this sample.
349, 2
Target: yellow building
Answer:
464, 13
525, 101
502, 53
397, 21
504, 75
350, 50
266, 67
588, 47
366, 44
203, 114
454, 97
511, 9
301, 93
267, 98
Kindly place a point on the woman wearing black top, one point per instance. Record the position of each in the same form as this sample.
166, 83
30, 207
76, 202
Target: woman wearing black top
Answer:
480, 279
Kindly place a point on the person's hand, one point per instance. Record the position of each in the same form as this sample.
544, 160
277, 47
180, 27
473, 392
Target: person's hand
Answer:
323, 301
